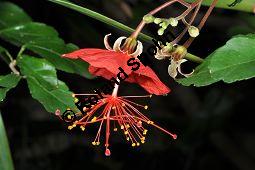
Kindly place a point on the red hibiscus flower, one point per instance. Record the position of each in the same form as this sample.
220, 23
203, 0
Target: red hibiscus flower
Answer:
105, 63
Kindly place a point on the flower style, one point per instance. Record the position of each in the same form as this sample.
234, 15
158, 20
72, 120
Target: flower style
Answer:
115, 113
176, 54
105, 63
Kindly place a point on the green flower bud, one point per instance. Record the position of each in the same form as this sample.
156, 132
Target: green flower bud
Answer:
169, 47
161, 31
193, 31
157, 20
148, 19
173, 22
164, 24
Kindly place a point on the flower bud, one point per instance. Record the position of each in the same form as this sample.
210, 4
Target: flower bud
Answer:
161, 31
169, 47
193, 31
148, 19
173, 22
164, 25
157, 20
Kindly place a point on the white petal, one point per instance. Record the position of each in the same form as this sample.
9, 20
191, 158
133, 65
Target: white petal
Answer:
116, 46
106, 43
160, 55
172, 69
179, 68
138, 51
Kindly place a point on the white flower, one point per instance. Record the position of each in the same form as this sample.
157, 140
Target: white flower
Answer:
164, 52
175, 67
176, 56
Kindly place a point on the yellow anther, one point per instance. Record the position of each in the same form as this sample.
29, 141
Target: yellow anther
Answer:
68, 109
133, 144
145, 132
137, 144
74, 125
76, 100
123, 104
146, 107
152, 122
115, 129
73, 95
94, 119
127, 138
94, 143
84, 109
149, 122
97, 143
113, 107
82, 128
142, 141
143, 138
122, 127
151, 96
69, 117
105, 117
126, 132
70, 127
127, 126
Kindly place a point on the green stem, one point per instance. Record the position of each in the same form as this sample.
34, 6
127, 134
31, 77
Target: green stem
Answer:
99, 17
193, 58
22, 49
115, 24
245, 5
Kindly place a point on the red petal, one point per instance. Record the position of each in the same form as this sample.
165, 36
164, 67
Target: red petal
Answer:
110, 61
106, 63
146, 78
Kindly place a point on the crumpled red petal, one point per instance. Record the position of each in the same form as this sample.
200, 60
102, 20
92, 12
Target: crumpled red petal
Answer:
106, 63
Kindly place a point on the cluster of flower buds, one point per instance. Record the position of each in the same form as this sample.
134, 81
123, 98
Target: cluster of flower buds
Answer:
164, 23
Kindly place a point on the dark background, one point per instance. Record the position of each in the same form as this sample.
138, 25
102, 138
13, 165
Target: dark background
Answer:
215, 124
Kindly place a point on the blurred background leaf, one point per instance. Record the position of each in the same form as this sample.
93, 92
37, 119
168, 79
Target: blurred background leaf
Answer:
5, 154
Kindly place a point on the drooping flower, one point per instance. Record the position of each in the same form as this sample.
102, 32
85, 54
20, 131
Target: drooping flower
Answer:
176, 55
105, 63
113, 113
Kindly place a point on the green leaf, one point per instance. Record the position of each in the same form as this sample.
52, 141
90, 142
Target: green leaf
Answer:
7, 82
233, 62
44, 41
201, 76
236, 60
5, 154
11, 15
42, 74
45, 73
246, 6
